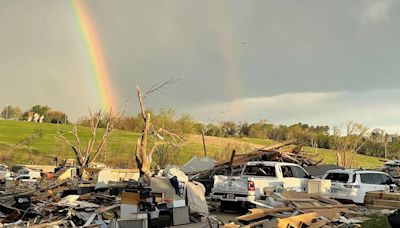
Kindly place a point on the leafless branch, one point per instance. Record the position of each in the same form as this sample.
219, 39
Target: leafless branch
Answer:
111, 122
158, 87
61, 136
74, 132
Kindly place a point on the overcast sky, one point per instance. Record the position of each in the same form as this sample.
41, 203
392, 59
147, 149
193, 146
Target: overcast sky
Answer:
318, 62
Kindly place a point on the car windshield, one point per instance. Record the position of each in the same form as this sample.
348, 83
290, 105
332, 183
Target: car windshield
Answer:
260, 170
338, 177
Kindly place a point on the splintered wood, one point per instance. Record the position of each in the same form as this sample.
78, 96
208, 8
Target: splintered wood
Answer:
382, 200
297, 209
275, 152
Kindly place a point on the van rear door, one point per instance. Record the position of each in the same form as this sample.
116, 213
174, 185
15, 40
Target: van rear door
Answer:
339, 181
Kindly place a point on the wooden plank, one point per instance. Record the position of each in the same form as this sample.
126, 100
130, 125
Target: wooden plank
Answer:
295, 195
56, 223
370, 206
262, 212
296, 200
265, 223
325, 200
297, 221
331, 214
382, 195
328, 206
390, 203
257, 151
318, 224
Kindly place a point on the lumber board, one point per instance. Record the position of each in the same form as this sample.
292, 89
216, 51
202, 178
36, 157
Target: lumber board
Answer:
331, 214
56, 223
318, 224
328, 206
257, 151
297, 221
325, 200
262, 212
262, 222
296, 200
382, 195
370, 206
390, 203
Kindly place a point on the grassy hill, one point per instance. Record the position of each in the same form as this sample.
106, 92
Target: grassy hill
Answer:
120, 148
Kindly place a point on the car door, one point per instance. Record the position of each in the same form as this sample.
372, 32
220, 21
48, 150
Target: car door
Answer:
373, 182
294, 177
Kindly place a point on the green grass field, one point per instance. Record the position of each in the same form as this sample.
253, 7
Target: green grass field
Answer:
120, 148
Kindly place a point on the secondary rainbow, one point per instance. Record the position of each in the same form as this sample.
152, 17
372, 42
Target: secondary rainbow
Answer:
230, 53
95, 53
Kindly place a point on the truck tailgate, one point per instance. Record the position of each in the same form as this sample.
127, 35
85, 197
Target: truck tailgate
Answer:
230, 184
261, 182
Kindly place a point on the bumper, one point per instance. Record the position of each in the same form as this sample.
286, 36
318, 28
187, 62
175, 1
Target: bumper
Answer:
224, 197
354, 195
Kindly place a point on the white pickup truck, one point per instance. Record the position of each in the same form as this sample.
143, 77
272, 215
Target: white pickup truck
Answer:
255, 177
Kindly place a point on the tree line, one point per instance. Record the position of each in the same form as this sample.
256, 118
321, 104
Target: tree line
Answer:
49, 115
375, 142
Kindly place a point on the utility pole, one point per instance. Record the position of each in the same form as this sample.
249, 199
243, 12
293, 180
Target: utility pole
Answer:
204, 143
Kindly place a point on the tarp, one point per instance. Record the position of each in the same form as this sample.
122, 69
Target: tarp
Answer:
196, 198
198, 164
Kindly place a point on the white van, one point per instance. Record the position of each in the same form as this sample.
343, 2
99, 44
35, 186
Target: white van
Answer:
353, 184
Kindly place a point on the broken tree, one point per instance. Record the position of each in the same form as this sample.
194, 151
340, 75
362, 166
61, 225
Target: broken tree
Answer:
95, 145
159, 136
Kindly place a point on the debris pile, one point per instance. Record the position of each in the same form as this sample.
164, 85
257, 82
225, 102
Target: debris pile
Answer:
382, 200
294, 209
275, 152
171, 199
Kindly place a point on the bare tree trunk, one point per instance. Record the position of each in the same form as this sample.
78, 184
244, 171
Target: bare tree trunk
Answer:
385, 150
144, 159
143, 146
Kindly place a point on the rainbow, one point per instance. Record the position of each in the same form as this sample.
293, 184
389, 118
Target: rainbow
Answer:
95, 53
230, 53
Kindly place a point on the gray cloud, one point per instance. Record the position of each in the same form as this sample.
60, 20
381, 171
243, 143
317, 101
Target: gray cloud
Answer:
224, 51
376, 109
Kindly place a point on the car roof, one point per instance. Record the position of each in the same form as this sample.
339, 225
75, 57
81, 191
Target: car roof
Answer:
341, 171
270, 163
352, 171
